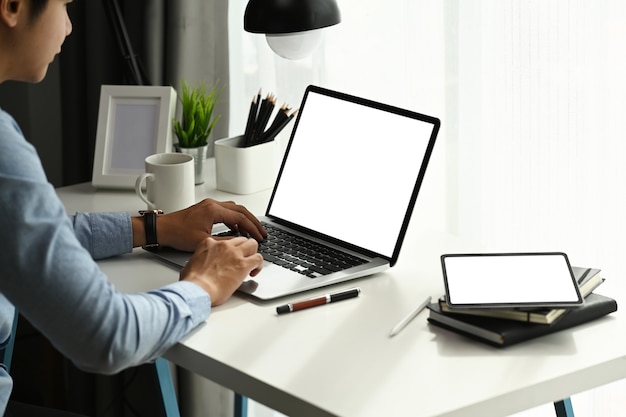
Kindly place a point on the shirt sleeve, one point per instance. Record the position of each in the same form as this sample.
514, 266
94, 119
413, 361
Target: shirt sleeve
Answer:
103, 234
47, 271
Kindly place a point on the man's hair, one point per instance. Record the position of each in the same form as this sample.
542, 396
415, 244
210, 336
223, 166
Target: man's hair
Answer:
36, 8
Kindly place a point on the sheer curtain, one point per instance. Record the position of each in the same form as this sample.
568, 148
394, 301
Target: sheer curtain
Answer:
541, 97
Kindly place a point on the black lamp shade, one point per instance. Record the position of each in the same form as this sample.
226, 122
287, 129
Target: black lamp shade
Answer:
288, 16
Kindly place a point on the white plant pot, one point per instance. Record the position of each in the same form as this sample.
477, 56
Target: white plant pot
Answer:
244, 170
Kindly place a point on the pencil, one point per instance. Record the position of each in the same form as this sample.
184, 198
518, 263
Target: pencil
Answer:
265, 112
251, 118
273, 131
280, 117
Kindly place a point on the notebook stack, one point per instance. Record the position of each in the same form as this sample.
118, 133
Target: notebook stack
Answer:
504, 327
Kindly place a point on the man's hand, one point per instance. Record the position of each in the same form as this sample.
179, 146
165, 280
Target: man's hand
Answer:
185, 229
220, 265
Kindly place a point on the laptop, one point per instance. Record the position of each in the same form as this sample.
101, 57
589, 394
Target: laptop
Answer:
346, 188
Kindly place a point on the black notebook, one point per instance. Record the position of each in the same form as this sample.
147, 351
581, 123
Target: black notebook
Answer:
500, 332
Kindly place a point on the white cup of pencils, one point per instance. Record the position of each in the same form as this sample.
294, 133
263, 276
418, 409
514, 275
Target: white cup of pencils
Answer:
246, 164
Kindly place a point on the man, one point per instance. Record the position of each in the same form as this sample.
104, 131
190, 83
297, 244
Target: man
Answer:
47, 267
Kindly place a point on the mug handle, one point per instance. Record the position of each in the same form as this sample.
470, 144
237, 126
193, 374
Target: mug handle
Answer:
138, 188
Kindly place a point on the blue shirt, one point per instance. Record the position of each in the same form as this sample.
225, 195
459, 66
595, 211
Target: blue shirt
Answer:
48, 272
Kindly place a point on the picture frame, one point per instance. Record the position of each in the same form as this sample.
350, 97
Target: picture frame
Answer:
133, 123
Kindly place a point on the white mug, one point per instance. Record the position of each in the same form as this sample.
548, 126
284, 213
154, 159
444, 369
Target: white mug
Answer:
169, 182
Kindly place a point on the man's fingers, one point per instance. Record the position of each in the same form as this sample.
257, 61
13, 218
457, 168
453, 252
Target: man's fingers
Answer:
259, 263
249, 246
246, 227
244, 221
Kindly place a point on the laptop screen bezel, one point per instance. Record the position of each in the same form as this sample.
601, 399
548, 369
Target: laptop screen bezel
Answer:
435, 122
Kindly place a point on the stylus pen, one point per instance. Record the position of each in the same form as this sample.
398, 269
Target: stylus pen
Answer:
318, 301
398, 327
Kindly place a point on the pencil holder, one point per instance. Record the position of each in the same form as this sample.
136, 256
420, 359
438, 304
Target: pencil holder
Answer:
241, 170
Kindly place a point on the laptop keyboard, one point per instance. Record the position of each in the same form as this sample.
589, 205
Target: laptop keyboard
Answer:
302, 255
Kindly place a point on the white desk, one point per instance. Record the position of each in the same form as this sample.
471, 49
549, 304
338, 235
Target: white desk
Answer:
338, 359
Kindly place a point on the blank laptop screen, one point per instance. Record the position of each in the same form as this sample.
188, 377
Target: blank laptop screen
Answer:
351, 170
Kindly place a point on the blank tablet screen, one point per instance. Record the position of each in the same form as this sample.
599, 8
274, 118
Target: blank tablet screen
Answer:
509, 280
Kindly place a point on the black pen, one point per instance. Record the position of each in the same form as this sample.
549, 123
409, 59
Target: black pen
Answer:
318, 301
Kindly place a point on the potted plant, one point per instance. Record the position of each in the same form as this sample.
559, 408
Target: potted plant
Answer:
197, 122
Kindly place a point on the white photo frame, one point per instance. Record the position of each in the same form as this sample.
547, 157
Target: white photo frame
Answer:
133, 123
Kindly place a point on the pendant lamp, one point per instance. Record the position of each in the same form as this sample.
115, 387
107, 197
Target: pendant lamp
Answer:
293, 28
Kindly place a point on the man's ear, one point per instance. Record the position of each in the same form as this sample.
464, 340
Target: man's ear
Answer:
10, 11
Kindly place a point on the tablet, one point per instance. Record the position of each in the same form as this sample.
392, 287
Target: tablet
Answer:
506, 280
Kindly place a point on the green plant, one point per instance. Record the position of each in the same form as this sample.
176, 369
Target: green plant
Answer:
198, 103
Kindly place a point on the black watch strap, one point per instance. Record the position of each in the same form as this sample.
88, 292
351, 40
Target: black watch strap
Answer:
150, 220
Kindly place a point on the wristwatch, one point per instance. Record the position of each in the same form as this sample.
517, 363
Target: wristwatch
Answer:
149, 219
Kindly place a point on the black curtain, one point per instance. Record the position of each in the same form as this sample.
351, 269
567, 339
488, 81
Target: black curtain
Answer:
90, 58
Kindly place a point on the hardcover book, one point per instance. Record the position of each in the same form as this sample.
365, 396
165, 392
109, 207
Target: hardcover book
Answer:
501, 333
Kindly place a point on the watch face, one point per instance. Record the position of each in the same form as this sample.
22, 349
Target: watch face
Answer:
144, 212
